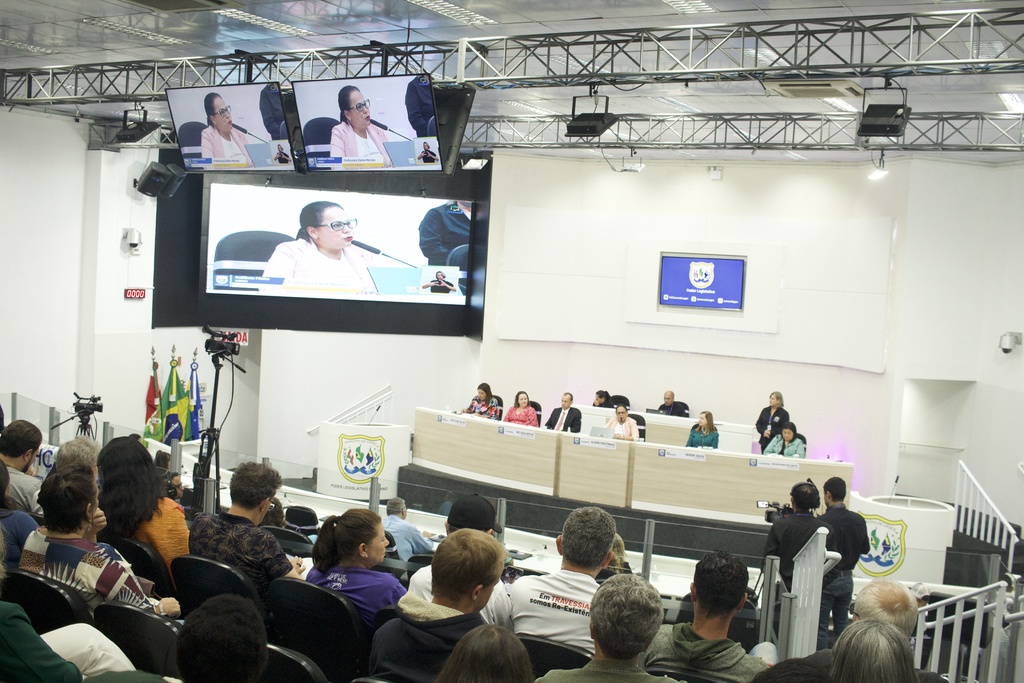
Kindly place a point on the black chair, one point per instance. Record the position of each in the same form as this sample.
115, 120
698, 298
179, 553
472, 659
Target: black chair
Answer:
148, 640
681, 674
546, 655
501, 405
802, 438
287, 665
641, 424
392, 550
146, 562
322, 624
244, 253
459, 257
190, 139
383, 616
424, 559
199, 578
540, 411
48, 603
292, 542
316, 136
302, 519
744, 626
619, 400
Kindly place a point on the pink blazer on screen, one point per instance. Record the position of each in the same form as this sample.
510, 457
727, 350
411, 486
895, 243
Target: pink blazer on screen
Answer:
213, 143
344, 142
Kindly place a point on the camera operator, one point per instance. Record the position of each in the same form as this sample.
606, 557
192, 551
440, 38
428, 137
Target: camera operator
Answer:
789, 534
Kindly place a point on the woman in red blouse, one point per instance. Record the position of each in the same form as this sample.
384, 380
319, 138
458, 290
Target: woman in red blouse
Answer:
522, 413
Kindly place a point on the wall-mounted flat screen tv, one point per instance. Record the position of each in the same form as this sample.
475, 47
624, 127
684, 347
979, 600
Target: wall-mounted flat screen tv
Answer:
383, 123
231, 128
702, 281
318, 244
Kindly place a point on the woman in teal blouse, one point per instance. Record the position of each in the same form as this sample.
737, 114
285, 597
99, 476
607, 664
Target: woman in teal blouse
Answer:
704, 434
786, 444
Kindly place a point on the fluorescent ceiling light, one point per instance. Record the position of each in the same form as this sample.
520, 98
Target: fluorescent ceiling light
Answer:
451, 11
689, 6
1012, 101
839, 104
257, 20
991, 49
762, 55
678, 104
474, 164
133, 31
793, 155
530, 107
878, 174
26, 47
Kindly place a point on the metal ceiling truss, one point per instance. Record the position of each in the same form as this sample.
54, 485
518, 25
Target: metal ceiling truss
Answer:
971, 42
837, 131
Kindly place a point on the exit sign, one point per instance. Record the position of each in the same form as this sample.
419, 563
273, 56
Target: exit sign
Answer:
134, 293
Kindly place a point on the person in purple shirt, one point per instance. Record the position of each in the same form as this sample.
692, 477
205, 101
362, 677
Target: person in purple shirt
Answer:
344, 555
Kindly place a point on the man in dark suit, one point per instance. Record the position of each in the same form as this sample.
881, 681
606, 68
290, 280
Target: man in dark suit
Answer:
566, 418
673, 407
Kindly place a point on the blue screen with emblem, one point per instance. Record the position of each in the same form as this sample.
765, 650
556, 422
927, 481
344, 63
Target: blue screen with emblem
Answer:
702, 281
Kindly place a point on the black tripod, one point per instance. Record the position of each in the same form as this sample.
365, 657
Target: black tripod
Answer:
83, 409
209, 440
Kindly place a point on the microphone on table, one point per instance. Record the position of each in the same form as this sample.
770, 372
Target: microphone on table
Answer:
383, 126
894, 488
375, 250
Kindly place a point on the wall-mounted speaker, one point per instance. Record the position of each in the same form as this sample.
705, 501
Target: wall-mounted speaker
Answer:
159, 180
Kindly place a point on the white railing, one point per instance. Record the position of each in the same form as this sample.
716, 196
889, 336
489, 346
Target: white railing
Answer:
978, 517
377, 407
932, 621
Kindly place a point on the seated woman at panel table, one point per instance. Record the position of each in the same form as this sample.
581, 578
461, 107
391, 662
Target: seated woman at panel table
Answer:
356, 136
602, 399
323, 252
522, 413
484, 405
623, 426
221, 140
787, 444
344, 555
704, 434
65, 549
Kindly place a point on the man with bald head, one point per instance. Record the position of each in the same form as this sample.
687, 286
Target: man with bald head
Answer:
566, 418
673, 407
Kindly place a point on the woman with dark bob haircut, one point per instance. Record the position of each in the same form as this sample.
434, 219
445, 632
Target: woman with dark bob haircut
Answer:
488, 654
133, 496
356, 137
484, 404
221, 140
323, 251
65, 548
344, 555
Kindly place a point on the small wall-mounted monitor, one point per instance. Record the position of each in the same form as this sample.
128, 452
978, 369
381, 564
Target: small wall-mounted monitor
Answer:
702, 281
231, 128
383, 123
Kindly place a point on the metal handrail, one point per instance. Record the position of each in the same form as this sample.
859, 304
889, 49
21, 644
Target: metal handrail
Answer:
974, 509
374, 402
990, 599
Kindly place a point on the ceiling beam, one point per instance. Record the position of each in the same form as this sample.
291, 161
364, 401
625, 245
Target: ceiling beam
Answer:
958, 42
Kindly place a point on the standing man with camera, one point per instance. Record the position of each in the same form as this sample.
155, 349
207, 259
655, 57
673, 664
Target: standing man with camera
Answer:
851, 540
789, 534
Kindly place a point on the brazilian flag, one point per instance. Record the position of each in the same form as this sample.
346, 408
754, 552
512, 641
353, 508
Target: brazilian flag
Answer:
175, 405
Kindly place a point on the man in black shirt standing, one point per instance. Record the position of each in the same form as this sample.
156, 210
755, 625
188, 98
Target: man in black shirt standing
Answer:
851, 538
789, 535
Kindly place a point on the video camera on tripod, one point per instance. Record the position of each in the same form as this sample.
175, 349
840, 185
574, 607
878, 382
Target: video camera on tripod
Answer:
221, 343
86, 405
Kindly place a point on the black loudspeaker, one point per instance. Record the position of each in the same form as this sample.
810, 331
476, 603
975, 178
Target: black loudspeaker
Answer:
590, 125
883, 121
159, 180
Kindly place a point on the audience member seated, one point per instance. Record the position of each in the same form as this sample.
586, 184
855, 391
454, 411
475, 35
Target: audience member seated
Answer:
17, 525
623, 426
81, 449
786, 444
345, 553
565, 418
175, 488
414, 647
223, 641
65, 549
793, 671
235, 536
488, 654
619, 564
275, 514
719, 591
18, 445
624, 617
602, 399
538, 602
408, 539
133, 496
888, 602
521, 412
673, 407
873, 651
705, 435
484, 404
469, 512
162, 460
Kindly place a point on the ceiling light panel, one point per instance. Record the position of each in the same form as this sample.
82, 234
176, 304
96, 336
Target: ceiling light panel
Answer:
262, 22
1012, 101
447, 9
689, 6
677, 104
838, 104
26, 47
133, 31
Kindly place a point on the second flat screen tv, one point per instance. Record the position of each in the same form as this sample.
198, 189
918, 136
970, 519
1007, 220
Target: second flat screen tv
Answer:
702, 281
384, 123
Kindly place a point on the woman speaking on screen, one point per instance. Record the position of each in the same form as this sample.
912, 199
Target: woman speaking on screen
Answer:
356, 136
220, 140
322, 251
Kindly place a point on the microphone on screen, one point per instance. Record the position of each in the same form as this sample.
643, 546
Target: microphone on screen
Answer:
375, 250
243, 130
384, 127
